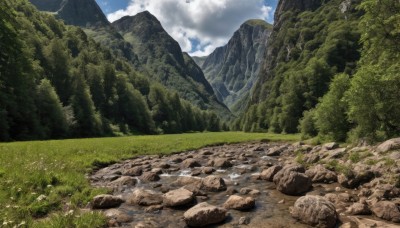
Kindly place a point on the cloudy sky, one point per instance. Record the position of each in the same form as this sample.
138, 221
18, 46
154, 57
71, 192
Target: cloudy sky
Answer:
199, 26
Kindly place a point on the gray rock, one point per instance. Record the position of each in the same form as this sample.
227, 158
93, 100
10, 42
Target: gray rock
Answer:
150, 177
277, 150
330, 146
135, 171
359, 209
244, 221
190, 163
106, 201
291, 181
204, 214
315, 211
220, 163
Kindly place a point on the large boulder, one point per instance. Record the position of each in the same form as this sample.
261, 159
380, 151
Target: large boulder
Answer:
269, 173
204, 214
213, 183
240, 203
386, 210
315, 211
178, 197
291, 181
319, 174
106, 201
391, 144
144, 197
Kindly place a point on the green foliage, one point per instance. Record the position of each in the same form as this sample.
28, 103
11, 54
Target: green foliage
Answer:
307, 125
331, 112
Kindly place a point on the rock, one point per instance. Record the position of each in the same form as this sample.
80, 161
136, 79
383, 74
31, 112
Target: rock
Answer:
369, 223
386, 210
353, 179
148, 224
190, 163
391, 144
178, 197
145, 198
182, 181
249, 191
359, 209
269, 173
123, 183
153, 208
330, 146
204, 214
291, 182
208, 170
135, 171
150, 177
244, 221
220, 163
213, 183
276, 151
106, 201
231, 190
314, 211
319, 174
239, 203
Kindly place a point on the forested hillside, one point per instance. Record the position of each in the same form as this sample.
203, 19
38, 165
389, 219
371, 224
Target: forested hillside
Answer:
57, 83
333, 64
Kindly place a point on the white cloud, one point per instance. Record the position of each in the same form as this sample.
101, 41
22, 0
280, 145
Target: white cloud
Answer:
210, 22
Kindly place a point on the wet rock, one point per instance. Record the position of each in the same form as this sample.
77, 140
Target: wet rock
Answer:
204, 214
359, 209
208, 170
386, 210
162, 165
150, 177
368, 223
319, 174
249, 191
330, 146
135, 171
231, 190
122, 183
315, 211
291, 181
196, 172
178, 197
240, 203
106, 201
117, 217
145, 198
269, 173
153, 208
148, 224
391, 144
184, 181
157, 171
213, 183
190, 163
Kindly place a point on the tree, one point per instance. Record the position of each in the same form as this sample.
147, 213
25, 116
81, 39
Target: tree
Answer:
50, 111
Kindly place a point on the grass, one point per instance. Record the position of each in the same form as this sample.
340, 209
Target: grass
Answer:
43, 183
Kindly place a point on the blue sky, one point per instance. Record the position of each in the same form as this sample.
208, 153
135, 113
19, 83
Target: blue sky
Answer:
199, 26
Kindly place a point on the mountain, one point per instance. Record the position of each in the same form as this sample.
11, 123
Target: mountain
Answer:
312, 41
162, 58
233, 69
88, 15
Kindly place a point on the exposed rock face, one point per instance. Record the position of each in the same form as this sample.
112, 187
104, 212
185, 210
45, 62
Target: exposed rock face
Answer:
106, 201
162, 58
315, 211
291, 181
386, 210
233, 69
204, 214
178, 197
239, 203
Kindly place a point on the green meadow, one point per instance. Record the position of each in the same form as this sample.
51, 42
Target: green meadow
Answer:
44, 183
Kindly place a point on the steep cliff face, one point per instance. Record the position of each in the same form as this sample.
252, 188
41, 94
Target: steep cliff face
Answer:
233, 69
311, 42
161, 56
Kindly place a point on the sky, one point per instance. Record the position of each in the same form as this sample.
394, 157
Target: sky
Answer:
200, 26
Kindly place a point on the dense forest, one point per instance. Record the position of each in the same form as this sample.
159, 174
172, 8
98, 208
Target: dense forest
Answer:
56, 82
332, 71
